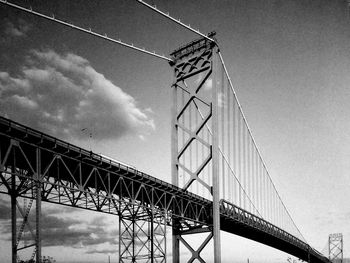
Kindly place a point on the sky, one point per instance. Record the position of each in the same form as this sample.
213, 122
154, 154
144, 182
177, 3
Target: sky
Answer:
288, 60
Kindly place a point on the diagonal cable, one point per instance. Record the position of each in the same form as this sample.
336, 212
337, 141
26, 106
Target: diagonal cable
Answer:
177, 21
88, 31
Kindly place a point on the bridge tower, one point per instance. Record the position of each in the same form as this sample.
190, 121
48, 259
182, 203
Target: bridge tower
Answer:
335, 247
195, 164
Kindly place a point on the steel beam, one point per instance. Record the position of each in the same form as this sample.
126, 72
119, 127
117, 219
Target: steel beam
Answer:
14, 219
174, 171
38, 206
217, 83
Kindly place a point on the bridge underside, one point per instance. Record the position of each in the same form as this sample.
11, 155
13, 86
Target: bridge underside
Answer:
247, 231
75, 177
261, 231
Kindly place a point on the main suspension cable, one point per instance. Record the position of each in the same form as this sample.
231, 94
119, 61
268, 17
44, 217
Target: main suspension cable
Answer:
88, 31
177, 21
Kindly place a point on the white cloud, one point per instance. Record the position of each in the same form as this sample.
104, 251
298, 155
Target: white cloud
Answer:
63, 94
18, 29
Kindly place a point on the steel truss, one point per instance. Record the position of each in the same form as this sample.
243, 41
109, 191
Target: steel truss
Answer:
61, 173
142, 235
194, 137
335, 247
16, 182
26, 231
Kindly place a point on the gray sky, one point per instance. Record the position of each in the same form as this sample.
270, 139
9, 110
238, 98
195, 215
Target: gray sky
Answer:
289, 61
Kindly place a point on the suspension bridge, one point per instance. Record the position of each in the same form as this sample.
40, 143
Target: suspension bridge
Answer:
219, 179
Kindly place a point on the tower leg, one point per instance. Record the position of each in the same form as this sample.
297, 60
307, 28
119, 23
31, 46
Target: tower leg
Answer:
14, 222
38, 209
217, 81
174, 171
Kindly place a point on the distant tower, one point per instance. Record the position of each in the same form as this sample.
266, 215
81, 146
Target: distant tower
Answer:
335, 247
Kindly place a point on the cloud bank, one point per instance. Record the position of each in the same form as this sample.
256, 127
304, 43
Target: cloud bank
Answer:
65, 96
58, 230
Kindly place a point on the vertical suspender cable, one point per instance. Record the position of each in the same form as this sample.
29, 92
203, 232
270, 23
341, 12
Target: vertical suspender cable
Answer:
236, 152
183, 136
221, 103
229, 121
191, 144
250, 173
244, 163
244, 174
262, 161
240, 160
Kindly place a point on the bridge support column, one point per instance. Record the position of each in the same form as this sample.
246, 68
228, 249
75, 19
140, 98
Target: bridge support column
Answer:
216, 83
38, 206
23, 233
14, 220
176, 241
195, 154
20, 175
142, 235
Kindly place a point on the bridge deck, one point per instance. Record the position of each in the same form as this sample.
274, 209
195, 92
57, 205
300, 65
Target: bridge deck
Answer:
72, 176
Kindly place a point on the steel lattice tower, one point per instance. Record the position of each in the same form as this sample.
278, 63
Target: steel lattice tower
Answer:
335, 247
195, 165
